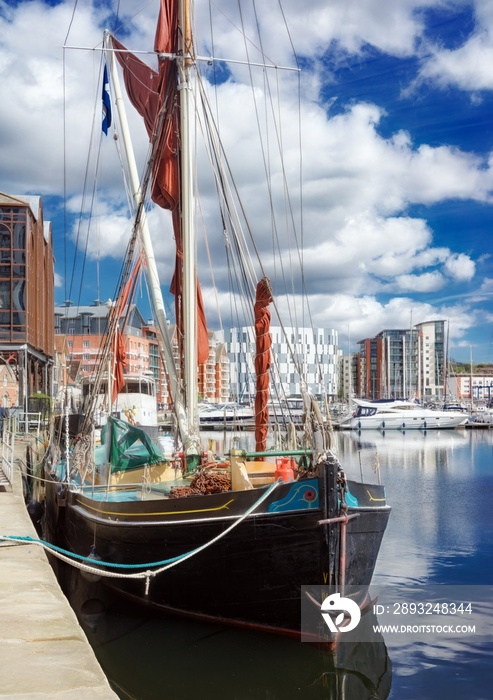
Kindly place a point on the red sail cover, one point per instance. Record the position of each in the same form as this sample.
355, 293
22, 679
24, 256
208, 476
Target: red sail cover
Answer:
120, 356
119, 363
263, 298
147, 91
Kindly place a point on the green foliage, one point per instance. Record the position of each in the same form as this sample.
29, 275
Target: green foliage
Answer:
39, 403
465, 367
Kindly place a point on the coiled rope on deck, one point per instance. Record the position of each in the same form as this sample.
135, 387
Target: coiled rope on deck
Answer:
69, 557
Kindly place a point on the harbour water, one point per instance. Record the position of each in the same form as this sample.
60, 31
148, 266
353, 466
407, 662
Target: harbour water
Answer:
440, 485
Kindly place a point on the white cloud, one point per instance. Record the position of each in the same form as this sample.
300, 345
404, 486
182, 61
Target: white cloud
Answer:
365, 316
460, 267
427, 282
392, 27
359, 238
487, 286
467, 66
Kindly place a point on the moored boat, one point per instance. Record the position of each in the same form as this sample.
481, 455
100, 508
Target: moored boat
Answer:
401, 415
229, 416
232, 537
280, 538
135, 404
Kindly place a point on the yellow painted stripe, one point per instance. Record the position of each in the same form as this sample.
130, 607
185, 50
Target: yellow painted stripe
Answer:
180, 512
374, 499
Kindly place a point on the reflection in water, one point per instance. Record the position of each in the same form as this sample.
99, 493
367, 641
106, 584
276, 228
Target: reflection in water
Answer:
440, 486
149, 657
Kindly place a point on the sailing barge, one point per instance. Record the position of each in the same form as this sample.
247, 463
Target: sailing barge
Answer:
235, 538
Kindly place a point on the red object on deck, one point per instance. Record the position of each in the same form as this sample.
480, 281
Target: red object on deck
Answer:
284, 469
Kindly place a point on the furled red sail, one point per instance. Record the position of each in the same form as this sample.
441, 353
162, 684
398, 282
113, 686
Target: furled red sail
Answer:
148, 91
263, 298
119, 364
119, 355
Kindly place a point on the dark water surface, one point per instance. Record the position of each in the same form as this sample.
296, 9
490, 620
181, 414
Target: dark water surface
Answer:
440, 485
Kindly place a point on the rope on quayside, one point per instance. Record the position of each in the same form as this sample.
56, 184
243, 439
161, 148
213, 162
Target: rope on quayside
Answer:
68, 557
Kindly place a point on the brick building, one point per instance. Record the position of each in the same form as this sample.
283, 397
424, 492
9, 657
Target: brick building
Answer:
85, 331
26, 294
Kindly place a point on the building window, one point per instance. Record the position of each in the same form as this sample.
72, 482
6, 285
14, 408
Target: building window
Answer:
86, 343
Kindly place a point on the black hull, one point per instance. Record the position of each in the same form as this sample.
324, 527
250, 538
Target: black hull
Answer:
253, 575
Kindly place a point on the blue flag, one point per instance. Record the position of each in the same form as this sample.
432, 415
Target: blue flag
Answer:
106, 102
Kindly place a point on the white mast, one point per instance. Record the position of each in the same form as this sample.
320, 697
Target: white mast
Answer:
350, 367
470, 378
188, 230
154, 284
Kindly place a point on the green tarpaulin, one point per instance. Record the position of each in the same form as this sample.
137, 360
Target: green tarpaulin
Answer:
130, 446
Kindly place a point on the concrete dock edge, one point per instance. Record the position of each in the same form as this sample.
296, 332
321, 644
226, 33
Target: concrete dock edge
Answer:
43, 650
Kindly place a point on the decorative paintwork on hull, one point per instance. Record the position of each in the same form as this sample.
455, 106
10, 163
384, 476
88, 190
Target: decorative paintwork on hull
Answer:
300, 497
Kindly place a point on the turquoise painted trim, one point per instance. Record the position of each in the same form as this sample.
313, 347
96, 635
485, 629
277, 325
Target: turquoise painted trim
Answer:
301, 496
351, 500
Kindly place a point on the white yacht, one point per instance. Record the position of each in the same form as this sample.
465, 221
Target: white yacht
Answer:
401, 415
291, 409
228, 415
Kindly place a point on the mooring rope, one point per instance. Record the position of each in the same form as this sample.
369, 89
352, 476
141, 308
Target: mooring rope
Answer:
69, 557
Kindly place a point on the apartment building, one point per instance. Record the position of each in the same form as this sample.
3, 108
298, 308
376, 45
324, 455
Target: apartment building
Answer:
348, 380
85, 330
404, 363
303, 352
475, 387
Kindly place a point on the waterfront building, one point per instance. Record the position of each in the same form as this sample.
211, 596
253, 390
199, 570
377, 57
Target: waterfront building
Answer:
431, 359
213, 375
388, 364
214, 382
150, 333
9, 386
348, 380
459, 386
404, 363
85, 331
85, 328
26, 296
313, 351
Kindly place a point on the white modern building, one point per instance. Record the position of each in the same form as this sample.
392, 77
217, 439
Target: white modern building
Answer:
309, 352
459, 386
431, 358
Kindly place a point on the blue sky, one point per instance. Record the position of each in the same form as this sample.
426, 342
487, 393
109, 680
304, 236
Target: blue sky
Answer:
396, 113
